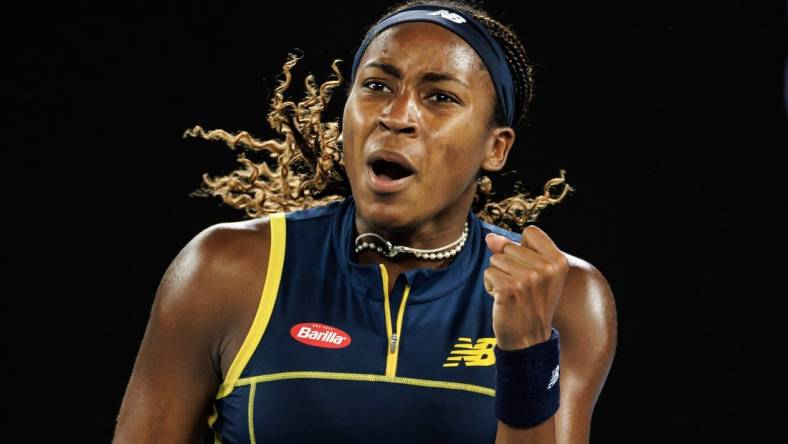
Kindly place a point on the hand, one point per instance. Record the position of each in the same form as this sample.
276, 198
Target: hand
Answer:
526, 281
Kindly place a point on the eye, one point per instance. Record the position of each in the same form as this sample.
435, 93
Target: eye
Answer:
444, 98
374, 85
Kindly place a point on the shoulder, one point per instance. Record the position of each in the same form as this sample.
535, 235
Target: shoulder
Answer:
585, 281
227, 249
231, 241
587, 305
214, 273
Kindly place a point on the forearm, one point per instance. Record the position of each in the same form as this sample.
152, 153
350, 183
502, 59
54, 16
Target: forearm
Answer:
543, 433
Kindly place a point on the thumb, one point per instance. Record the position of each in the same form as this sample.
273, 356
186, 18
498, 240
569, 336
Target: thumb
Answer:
496, 242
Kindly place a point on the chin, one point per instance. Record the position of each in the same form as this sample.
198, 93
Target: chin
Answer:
385, 212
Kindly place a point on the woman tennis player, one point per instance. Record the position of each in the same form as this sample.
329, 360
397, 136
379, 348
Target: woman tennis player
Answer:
410, 309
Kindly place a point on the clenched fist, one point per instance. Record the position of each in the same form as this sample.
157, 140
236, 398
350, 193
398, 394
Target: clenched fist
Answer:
526, 281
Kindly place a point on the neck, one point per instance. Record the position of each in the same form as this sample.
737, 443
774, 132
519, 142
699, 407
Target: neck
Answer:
426, 234
436, 233
373, 242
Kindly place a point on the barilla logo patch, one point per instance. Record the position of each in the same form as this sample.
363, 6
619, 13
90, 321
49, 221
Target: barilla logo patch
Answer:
320, 335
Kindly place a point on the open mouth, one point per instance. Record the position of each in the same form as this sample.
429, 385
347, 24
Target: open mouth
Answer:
389, 170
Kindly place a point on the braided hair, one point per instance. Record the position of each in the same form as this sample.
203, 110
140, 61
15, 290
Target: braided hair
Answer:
308, 165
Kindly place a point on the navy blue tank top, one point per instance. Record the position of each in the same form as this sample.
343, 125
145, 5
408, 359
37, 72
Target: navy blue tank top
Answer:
331, 356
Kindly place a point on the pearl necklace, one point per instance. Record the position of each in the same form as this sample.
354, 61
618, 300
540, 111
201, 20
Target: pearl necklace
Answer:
384, 247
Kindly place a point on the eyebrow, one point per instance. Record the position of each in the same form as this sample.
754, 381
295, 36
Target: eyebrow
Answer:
428, 77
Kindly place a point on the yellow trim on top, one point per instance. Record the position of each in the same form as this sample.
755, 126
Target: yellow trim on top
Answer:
391, 357
217, 439
273, 277
365, 377
250, 413
213, 417
211, 420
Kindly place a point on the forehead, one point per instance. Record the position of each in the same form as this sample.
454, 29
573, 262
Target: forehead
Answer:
424, 45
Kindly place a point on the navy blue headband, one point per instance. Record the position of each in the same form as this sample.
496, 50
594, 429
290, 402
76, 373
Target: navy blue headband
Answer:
470, 30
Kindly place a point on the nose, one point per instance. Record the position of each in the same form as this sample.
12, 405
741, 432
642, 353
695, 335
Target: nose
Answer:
399, 115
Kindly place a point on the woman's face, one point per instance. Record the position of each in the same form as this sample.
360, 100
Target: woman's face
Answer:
422, 99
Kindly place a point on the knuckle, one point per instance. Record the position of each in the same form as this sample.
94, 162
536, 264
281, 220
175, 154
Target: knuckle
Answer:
561, 264
503, 286
494, 259
532, 229
560, 257
507, 244
551, 267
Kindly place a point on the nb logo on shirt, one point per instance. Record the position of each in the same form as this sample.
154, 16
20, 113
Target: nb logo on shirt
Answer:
470, 354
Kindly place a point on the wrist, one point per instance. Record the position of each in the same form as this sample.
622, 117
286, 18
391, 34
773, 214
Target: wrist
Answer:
527, 390
516, 343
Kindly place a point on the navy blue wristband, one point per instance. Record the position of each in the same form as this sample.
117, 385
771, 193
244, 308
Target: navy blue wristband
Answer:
527, 390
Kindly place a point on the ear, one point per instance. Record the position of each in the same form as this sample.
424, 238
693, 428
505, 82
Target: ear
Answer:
340, 143
497, 148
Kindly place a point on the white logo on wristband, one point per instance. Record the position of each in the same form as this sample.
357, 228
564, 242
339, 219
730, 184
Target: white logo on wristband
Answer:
553, 378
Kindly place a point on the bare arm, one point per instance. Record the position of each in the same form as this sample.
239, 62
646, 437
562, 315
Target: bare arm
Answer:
177, 370
586, 321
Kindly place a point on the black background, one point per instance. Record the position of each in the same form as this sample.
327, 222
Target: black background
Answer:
668, 118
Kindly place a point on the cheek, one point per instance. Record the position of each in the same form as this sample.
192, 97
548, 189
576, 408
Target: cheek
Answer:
350, 125
459, 159
453, 169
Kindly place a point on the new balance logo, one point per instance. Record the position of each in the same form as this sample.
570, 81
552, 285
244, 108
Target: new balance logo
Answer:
448, 16
470, 354
553, 378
